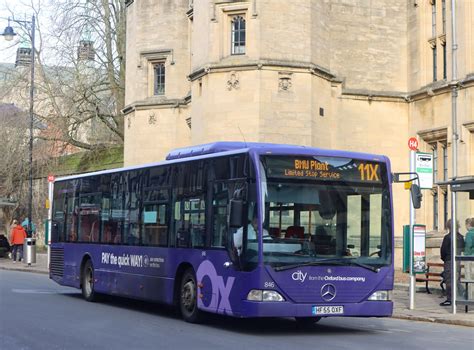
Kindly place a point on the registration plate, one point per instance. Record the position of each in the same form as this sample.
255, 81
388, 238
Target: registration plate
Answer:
328, 310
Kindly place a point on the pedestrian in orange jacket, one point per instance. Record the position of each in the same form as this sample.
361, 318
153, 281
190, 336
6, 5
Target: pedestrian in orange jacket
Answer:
17, 238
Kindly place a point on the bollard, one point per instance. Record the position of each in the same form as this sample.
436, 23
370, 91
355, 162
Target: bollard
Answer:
29, 251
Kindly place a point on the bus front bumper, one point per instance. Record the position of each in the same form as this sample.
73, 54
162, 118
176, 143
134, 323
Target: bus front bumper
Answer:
288, 309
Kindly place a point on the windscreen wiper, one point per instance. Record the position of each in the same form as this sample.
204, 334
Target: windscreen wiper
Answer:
329, 262
365, 266
312, 263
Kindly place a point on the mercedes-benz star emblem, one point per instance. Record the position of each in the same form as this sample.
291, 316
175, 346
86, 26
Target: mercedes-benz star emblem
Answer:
328, 292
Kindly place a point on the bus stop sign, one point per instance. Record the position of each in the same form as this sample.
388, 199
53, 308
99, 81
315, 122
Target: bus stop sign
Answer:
424, 169
413, 143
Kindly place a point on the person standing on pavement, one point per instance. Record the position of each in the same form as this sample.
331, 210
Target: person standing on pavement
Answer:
446, 257
469, 250
17, 238
469, 240
33, 227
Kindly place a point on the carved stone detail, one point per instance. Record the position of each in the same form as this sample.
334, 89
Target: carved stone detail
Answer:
233, 81
152, 118
284, 81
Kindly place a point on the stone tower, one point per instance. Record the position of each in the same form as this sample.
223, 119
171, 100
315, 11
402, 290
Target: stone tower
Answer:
354, 75
23, 57
86, 51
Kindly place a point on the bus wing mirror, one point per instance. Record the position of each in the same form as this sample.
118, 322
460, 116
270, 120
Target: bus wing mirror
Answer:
236, 213
416, 196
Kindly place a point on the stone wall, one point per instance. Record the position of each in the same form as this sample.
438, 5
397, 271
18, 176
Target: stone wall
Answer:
368, 43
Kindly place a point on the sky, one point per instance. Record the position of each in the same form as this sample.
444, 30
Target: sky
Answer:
7, 48
46, 38
7, 53
22, 12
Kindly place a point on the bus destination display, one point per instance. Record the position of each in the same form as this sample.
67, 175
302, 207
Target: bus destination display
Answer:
323, 168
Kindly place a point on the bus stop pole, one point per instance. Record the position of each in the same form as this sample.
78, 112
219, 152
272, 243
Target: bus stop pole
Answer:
454, 271
412, 222
454, 142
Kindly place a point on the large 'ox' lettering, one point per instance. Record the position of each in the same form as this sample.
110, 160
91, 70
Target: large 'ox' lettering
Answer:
220, 290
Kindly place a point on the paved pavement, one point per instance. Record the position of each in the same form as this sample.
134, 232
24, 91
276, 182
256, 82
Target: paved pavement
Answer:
427, 308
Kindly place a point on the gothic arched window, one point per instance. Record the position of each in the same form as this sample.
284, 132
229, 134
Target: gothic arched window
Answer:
159, 70
238, 36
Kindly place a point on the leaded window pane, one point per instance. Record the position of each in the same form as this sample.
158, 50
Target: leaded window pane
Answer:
238, 36
159, 71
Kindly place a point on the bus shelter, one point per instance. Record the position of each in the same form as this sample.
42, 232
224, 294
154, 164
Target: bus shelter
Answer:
462, 186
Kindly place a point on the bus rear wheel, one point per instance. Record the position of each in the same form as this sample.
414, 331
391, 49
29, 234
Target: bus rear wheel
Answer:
305, 322
87, 283
188, 298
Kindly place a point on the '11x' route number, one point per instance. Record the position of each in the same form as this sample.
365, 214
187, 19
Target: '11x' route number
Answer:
368, 172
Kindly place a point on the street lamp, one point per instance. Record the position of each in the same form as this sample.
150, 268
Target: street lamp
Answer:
8, 34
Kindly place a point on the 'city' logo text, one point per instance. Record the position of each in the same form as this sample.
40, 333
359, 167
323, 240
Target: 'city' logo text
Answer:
299, 276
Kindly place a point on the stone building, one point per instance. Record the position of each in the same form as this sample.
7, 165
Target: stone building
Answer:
343, 74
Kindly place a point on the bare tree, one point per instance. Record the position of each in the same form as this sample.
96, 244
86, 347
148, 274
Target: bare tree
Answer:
13, 162
79, 90
80, 75
90, 42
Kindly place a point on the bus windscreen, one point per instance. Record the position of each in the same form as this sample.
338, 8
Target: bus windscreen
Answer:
326, 207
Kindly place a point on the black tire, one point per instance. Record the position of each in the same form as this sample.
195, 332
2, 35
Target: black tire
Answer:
87, 282
188, 298
306, 322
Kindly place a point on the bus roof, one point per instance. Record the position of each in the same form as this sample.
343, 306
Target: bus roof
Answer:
223, 146
228, 148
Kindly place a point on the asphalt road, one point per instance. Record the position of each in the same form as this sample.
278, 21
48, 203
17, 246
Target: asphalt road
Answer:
36, 313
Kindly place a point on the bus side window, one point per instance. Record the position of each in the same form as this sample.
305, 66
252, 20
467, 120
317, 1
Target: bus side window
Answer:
190, 223
155, 230
220, 199
72, 209
189, 204
197, 222
89, 216
155, 206
57, 228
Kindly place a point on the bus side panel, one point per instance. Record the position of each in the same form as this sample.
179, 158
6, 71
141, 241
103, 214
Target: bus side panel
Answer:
132, 271
148, 273
221, 289
63, 265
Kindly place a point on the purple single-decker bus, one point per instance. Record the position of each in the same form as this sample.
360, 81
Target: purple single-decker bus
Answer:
241, 229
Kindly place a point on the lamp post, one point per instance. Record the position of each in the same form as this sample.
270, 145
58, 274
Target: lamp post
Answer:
8, 34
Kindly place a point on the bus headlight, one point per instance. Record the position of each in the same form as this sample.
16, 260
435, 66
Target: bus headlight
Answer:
381, 295
264, 295
255, 295
271, 295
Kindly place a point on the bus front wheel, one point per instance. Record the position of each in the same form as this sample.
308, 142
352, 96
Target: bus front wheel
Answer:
188, 298
88, 282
